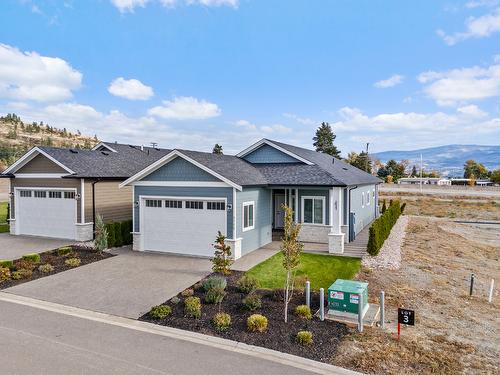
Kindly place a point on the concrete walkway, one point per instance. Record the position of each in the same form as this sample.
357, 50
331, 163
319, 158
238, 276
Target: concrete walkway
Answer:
14, 247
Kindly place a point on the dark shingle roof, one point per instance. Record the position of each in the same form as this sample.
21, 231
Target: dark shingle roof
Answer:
296, 174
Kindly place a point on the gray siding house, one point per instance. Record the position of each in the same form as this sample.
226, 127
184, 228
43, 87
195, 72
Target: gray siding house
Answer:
184, 198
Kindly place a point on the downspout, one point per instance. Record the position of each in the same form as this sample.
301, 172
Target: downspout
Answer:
349, 210
93, 207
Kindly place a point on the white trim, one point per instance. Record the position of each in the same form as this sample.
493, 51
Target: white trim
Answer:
181, 183
85, 223
168, 158
133, 209
11, 200
244, 204
82, 200
183, 198
296, 205
40, 175
26, 158
323, 213
269, 143
102, 144
234, 214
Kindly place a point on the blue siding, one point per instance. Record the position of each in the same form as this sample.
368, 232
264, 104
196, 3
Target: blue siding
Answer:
170, 191
180, 169
365, 213
262, 233
268, 154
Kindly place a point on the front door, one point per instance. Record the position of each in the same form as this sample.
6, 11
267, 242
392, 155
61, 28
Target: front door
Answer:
279, 214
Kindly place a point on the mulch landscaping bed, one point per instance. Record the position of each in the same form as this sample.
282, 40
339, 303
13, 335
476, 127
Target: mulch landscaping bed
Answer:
85, 254
279, 335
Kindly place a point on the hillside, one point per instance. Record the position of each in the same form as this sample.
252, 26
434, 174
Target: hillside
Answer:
448, 159
17, 136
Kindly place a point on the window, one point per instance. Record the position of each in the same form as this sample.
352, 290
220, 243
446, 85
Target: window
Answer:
195, 205
25, 193
55, 194
153, 203
248, 216
216, 206
40, 194
367, 198
69, 195
173, 204
313, 210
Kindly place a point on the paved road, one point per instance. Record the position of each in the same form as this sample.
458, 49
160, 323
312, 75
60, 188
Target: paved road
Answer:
37, 341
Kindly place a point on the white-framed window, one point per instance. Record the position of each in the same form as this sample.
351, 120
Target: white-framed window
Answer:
40, 194
69, 195
248, 215
25, 193
221, 206
313, 210
367, 198
195, 205
55, 194
173, 204
153, 203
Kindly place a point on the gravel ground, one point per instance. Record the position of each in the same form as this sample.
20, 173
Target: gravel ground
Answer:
390, 254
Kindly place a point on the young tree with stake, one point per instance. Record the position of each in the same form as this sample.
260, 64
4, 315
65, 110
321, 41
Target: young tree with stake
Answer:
291, 249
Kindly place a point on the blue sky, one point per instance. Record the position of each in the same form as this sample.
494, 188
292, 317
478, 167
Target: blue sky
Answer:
189, 73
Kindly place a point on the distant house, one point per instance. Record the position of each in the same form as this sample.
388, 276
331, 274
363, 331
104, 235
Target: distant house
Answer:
468, 181
425, 181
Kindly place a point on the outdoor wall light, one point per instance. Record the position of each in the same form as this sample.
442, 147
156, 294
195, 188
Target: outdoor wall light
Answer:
136, 203
11, 194
77, 196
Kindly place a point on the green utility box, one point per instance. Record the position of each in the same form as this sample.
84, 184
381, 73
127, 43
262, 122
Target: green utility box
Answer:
343, 296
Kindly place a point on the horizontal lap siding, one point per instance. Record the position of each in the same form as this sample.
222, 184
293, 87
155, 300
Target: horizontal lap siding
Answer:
182, 192
262, 233
179, 169
268, 154
41, 164
112, 203
364, 215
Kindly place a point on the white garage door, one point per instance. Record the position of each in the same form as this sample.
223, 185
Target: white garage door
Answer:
46, 213
186, 226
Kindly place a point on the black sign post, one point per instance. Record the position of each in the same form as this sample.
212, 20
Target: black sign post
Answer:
406, 317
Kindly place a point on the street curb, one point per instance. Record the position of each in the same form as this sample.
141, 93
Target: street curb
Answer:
198, 338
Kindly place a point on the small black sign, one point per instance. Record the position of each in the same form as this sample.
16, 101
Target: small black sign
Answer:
406, 317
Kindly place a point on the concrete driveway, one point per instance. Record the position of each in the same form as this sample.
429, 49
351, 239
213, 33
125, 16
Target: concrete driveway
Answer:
13, 247
125, 285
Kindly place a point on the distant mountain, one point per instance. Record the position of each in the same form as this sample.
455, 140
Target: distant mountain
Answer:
448, 159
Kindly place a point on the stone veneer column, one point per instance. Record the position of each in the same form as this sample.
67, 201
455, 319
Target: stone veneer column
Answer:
336, 237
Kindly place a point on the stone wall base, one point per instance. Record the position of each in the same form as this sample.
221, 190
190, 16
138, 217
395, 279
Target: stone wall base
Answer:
345, 230
336, 243
136, 242
235, 247
314, 233
84, 232
12, 224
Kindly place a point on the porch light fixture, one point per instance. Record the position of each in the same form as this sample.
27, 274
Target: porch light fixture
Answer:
11, 194
136, 203
77, 196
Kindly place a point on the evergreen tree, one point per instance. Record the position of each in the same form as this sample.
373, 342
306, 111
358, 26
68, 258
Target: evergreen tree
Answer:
414, 171
323, 140
217, 149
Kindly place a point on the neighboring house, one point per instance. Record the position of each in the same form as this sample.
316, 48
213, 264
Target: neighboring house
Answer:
185, 197
425, 181
58, 192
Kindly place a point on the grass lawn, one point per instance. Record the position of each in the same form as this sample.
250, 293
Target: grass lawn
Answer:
321, 270
3, 218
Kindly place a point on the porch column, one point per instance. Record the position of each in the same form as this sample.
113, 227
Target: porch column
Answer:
335, 237
296, 205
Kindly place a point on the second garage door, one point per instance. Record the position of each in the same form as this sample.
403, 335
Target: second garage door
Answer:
185, 226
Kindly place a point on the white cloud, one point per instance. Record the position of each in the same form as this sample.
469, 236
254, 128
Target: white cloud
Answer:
246, 125
128, 5
462, 85
481, 3
30, 76
132, 89
215, 3
301, 120
475, 27
472, 110
185, 108
392, 81
125, 6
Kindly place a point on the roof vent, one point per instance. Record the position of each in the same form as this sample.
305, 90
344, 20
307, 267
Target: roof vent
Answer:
73, 151
105, 153
344, 168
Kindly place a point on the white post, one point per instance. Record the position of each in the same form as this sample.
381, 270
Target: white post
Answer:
492, 286
382, 309
296, 205
308, 293
360, 312
321, 304
335, 210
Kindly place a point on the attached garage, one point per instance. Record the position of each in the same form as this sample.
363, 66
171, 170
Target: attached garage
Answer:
186, 225
46, 212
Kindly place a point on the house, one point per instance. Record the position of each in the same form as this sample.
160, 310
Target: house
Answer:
58, 192
185, 197
424, 180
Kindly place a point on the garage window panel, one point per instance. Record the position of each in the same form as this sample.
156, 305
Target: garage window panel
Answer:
248, 216
153, 203
69, 195
221, 206
173, 204
195, 205
40, 194
55, 194
25, 193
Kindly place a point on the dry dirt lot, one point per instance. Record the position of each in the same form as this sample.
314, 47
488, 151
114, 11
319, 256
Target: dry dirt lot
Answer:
454, 333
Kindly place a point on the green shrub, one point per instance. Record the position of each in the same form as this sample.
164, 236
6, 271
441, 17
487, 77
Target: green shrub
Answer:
192, 307
23, 273
4, 228
215, 295
252, 302
110, 228
303, 311
46, 268
257, 323
384, 206
126, 227
212, 282
4, 274
64, 251
118, 234
160, 311
248, 284
187, 292
381, 228
32, 257
305, 337
222, 321
22, 264
73, 262
6, 263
